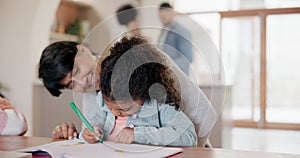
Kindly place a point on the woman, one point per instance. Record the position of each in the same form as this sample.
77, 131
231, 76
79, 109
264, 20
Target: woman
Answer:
67, 65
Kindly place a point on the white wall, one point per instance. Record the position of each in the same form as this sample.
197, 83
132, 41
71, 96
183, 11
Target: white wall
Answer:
42, 22
15, 41
24, 33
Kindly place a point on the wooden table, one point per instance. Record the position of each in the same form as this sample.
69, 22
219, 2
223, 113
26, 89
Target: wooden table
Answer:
8, 143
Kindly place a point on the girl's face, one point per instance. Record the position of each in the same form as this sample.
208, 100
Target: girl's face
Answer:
83, 77
123, 108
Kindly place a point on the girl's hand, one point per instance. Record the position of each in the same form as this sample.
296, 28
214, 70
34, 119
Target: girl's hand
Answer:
65, 131
92, 137
125, 136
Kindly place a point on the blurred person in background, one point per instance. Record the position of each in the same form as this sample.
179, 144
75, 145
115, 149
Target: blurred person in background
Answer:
126, 16
174, 39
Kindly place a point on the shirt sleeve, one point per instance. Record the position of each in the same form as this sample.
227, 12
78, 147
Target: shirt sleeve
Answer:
176, 130
92, 110
12, 122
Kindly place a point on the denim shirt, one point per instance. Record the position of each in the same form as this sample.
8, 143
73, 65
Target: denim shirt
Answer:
156, 124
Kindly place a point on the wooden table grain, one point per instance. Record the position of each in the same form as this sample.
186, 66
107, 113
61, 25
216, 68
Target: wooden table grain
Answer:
9, 143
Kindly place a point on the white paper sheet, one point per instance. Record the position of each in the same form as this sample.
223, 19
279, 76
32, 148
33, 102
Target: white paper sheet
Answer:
79, 149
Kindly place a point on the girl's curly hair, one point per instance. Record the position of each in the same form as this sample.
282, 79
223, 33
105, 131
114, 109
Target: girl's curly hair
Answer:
135, 70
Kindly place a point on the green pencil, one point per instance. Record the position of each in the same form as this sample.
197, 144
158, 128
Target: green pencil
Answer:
83, 119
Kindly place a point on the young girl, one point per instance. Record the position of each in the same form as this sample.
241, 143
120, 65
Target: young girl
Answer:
12, 121
141, 101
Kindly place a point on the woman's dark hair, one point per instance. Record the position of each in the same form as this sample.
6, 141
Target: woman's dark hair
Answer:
56, 62
135, 70
126, 13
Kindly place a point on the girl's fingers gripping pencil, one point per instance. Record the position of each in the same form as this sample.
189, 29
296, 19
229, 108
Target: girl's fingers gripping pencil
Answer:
84, 120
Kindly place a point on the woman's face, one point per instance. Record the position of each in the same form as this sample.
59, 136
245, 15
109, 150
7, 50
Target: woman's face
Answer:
123, 108
84, 77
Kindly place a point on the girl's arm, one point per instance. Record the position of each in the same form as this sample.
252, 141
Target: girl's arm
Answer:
93, 111
176, 130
